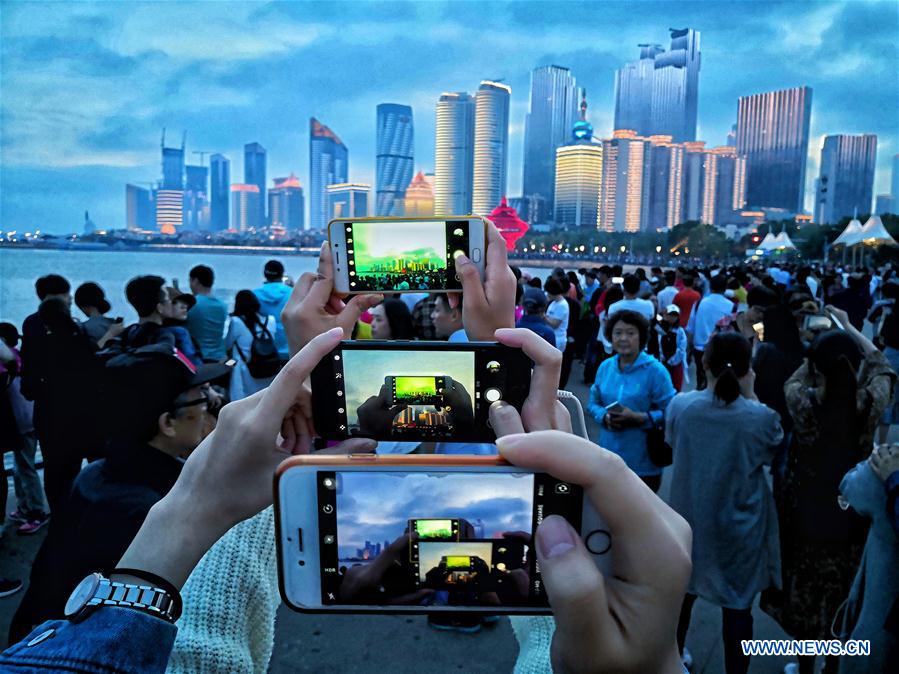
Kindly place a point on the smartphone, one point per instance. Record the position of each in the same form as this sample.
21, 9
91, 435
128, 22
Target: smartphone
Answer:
614, 407
759, 330
371, 533
817, 322
354, 389
411, 390
175, 283
617, 280
404, 255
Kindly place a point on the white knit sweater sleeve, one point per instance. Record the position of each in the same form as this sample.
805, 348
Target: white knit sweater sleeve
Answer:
230, 600
535, 636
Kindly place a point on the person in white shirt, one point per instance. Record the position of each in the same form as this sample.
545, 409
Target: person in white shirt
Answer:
704, 318
557, 312
666, 294
631, 302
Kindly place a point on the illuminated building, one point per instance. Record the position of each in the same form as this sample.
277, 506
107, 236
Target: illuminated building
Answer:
328, 165
772, 133
254, 159
578, 177
419, 197
348, 200
846, 179
195, 198
491, 146
219, 192
723, 185
140, 213
454, 154
244, 206
693, 185
285, 204
552, 113
170, 196
394, 158
665, 180
621, 191
659, 93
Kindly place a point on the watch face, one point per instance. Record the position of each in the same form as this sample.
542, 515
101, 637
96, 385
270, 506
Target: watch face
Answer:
82, 594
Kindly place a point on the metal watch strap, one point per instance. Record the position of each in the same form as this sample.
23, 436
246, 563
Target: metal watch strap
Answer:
146, 598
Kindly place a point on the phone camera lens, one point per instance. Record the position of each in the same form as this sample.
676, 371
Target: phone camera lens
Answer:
329, 539
493, 367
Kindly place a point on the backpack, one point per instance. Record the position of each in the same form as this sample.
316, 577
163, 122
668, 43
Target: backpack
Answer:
264, 360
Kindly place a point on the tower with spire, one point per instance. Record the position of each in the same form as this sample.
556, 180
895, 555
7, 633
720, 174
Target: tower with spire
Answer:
578, 176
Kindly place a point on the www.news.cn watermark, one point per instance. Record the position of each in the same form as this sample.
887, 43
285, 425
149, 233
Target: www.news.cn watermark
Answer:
803, 647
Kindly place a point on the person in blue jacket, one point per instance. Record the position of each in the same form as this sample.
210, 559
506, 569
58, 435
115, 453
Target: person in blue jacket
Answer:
630, 394
273, 295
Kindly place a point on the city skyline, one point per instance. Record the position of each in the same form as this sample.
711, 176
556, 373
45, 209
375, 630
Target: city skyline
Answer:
83, 135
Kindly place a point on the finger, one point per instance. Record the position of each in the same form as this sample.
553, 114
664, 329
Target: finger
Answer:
335, 305
574, 586
323, 285
351, 446
280, 395
505, 419
496, 258
353, 309
637, 519
452, 299
472, 285
547, 365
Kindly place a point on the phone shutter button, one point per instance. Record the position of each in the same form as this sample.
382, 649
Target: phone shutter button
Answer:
476, 255
492, 395
598, 542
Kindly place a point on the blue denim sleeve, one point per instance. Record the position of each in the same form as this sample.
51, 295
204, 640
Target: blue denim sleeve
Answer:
892, 486
112, 639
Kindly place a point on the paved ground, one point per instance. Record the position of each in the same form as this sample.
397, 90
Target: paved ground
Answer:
349, 644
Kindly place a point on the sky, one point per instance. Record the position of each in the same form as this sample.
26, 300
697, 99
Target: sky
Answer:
376, 507
86, 88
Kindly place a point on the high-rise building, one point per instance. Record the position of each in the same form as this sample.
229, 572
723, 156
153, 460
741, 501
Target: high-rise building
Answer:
139, 208
454, 154
772, 133
659, 93
694, 180
419, 198
170, 196
621, 196
196, 205
491, 146
348, 200
578, 177
254, 164
664, 176
723, 185
286, 204
328, 165
244, 206
394, 159
846, 180
883, 203
894, 190
552, 113
219, 192
732, 136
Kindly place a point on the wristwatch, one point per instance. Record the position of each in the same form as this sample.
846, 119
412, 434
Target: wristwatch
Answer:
96, 591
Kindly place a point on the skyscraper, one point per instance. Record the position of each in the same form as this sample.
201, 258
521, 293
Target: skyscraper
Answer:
139, 208
664, 175
659, 93
244, 206
621, 196
578, 177
491, 146
772, 133
219, 192
724, 185
328, 165
846, 180
883, 203
394, 160
170, 196
195, 198
286, 204
348, 200
693, 188
254, 160
454, 154
553, 111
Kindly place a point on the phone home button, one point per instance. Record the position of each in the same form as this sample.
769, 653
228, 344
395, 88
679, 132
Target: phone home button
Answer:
476, 255
598, 542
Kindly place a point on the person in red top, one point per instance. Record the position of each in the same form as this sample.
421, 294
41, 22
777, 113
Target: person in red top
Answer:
686, 299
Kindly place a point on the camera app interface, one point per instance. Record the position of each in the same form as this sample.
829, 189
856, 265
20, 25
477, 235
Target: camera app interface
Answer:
414, 256
406, 394
436, 539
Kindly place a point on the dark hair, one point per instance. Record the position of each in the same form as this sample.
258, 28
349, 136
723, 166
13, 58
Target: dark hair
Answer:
613, 294
762, 297
56, 316
535, 282
399, 318
204, 275
718, 284
553, 286
727, 356
688, 280
51, 284
246, 308
144, 293
630, 318
617, 270
829, 347
273, 270
444, 297
516, 271
781, 330
605, 269
9, 334
631, 284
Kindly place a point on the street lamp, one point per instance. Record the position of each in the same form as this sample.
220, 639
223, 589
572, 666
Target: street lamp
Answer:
603, 249
658, 249
623, 247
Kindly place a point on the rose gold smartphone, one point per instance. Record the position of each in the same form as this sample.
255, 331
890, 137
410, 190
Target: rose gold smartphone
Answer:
371, 533
404, 255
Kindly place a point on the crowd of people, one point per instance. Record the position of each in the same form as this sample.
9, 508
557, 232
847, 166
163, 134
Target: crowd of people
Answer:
758, 388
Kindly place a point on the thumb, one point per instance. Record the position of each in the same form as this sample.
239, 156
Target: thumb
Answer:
575, 587
347, 318
470, 278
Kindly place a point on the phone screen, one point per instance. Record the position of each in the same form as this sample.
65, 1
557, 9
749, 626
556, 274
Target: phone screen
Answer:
815, 323
393, 391
384, 256
436, 538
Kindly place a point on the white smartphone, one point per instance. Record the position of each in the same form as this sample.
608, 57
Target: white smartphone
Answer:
404, 255
371, 533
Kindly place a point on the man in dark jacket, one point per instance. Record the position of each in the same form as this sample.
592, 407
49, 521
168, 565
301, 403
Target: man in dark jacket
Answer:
157, 415
150, 300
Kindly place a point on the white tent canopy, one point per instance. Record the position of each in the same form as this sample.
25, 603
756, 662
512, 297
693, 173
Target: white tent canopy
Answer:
768, 243
782, 241
847, 238
874, 234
